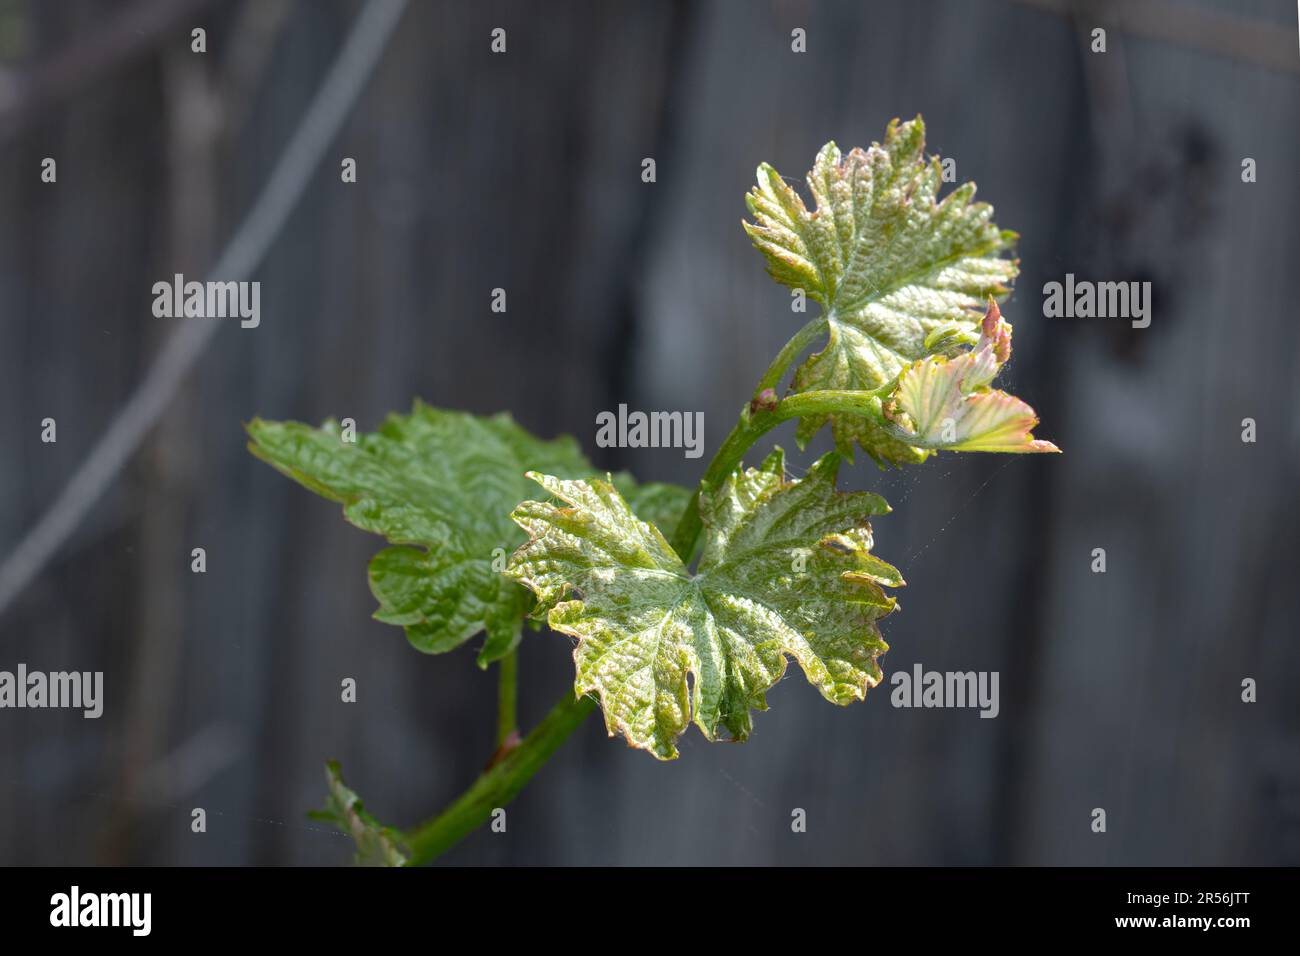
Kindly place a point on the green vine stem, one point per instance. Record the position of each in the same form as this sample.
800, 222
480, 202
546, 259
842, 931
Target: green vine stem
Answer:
745, 433
499, 784
755, 421
789, 352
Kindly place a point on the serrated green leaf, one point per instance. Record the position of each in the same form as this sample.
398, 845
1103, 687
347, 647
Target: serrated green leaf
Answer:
785, 570
439, 485
891, 266
946, 403
377, 845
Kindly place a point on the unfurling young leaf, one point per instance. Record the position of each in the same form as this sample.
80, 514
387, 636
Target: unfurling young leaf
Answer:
946, 403
377, 845
786, 569
899, 275
439, 485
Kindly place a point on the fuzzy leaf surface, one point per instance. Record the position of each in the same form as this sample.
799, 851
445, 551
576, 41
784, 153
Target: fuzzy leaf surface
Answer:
660, 503
786, 569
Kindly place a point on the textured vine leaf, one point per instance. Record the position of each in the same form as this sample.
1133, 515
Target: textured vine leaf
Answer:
946, 403
786, 569
898, 274
659, 503
439, 485
377, 845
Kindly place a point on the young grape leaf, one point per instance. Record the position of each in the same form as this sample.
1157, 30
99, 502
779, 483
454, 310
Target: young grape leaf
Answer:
377, 845
439, 485
946, 403
786, 569
898, 274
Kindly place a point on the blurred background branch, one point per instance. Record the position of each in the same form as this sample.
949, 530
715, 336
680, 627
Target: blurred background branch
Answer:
241, 256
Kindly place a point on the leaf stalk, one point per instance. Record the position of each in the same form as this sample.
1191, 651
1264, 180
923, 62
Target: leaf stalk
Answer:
761, 416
